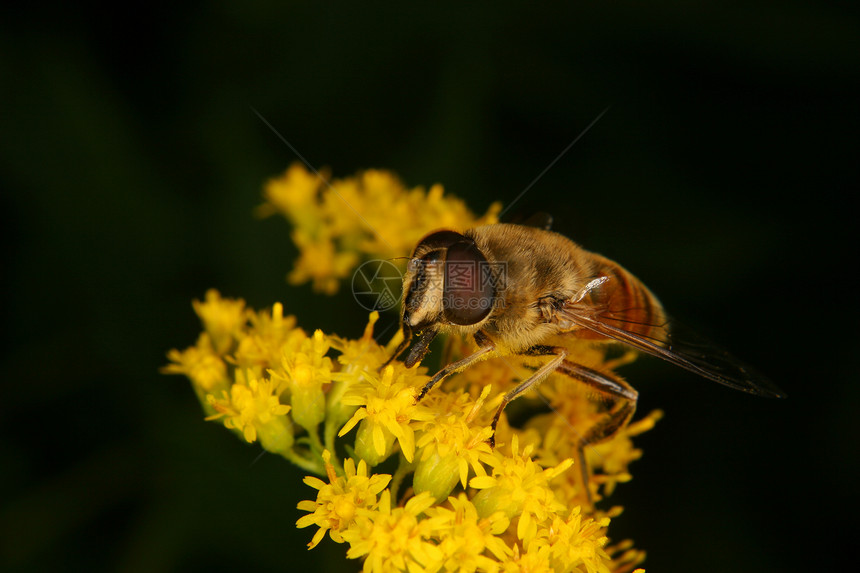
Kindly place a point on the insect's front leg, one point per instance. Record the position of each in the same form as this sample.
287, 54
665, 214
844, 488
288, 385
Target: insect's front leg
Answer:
404, 344
486, 348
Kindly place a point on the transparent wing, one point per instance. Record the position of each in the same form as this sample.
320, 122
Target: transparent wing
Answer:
676, 344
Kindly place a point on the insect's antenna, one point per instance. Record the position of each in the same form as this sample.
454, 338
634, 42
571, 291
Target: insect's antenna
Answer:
259, 457
554, 161
319, 175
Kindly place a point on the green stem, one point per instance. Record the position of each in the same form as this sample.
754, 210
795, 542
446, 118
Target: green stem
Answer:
314, 466
403, 468
316, 444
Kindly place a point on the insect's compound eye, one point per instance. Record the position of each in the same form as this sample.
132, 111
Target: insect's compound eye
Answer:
468, 291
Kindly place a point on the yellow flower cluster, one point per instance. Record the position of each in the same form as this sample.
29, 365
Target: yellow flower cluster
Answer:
408, 486
464, 506
338, 223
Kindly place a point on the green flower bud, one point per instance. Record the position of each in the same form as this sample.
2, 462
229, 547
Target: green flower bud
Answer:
373, 443
438, 475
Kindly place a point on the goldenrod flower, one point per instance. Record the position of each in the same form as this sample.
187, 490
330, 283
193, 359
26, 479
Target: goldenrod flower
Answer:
294, 193
467, 541
395, 539
321, 263
307, 370
449, 502
340, 501
222, 319
451, 444
356, 358
575, 543
201, 364
266, 339
519, 487
613, 456
340, 222
388, 407
535, 561
251, 408
362, 355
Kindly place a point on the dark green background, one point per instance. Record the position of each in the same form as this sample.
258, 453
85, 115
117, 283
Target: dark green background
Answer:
131, 161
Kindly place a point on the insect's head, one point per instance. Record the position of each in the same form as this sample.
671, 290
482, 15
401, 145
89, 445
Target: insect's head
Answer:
445, 285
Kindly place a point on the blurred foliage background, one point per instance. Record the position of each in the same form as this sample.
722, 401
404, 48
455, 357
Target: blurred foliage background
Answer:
131, 160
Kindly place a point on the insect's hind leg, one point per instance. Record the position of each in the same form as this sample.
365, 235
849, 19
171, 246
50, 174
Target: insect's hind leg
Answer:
622, 404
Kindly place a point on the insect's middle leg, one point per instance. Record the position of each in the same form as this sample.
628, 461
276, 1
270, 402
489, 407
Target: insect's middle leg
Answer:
560, 353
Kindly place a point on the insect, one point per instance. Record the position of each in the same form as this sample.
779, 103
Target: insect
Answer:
516, 289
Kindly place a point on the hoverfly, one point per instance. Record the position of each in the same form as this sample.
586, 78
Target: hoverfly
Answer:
515, 288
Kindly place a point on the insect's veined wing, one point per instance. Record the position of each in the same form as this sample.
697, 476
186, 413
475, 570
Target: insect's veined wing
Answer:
621, 308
